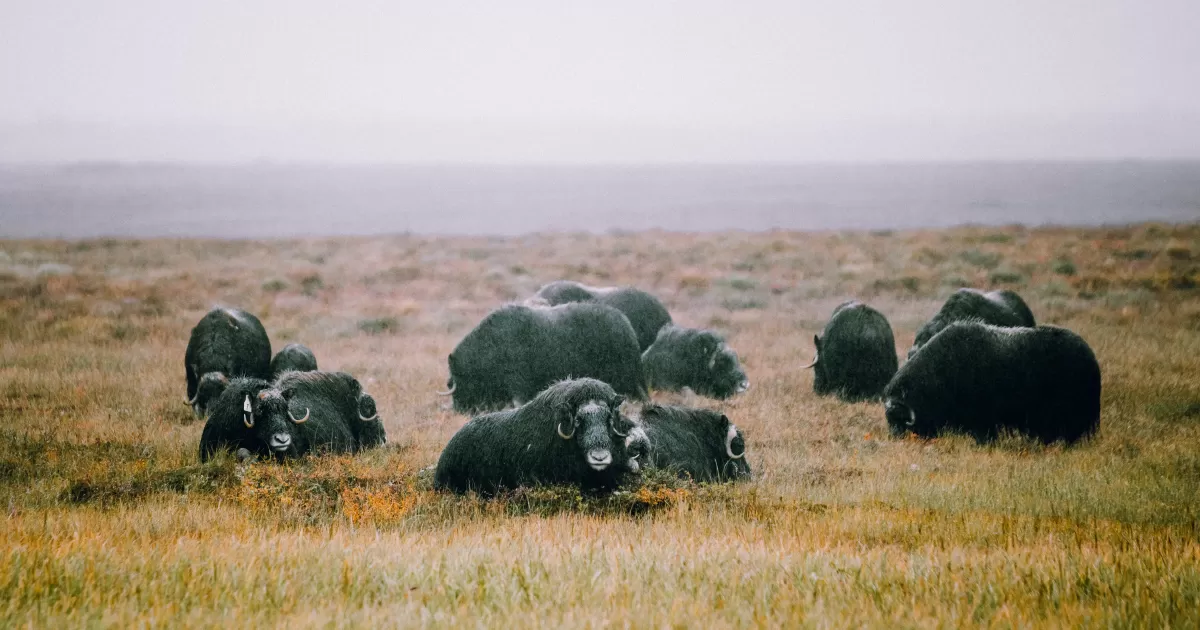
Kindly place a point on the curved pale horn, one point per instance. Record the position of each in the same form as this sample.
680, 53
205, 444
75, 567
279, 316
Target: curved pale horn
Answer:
565, 436
248, 413
616, 416
453, 387
366, 419
729, 444
194, 398
816, 357
299, 420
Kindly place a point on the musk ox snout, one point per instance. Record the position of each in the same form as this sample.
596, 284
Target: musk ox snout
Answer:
599, 458
281, 442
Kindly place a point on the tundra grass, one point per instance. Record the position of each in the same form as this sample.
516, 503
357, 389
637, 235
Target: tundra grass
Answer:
110, 520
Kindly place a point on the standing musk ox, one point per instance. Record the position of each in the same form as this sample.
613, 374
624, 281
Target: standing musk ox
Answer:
998, 308
227, 343
698, 359
517, 351
856, 354
294, 357
645, 313
697, 443
571, 433
980, 379
298, 413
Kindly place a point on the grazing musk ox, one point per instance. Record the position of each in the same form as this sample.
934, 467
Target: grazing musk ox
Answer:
298, 413
226, 343
293, 357
690, 357
517, 351
697, 443
998, 308
856, 354
571, 433
645, 313
981, 379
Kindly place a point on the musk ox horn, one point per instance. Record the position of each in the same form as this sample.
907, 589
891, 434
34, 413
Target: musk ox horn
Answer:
614, 429
195, 397
248, 413
565, 436
816, 357
729, 443
299, 420
366, 419
453, 386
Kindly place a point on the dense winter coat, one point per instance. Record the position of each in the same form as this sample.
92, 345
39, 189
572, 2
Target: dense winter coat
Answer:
517, 351
644, 311
981, 379
693, 358
571, 433
999, 308
700, 444
299, 413
225, 344
293, 357
855, 354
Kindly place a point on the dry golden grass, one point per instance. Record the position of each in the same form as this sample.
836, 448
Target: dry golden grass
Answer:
110, 519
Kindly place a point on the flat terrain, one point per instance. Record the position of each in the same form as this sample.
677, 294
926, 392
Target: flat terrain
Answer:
110, 519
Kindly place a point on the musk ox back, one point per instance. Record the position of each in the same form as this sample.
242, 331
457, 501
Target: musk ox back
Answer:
293, 357
998, 308
856, 354
645, 312
298, 413
571, 433
517, 351
226, 343
693, 358
697, 443
981, 379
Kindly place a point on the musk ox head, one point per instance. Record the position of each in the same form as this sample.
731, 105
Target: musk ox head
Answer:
637, 449
271, 418
293, 357
699, 359
208, 390
591, 422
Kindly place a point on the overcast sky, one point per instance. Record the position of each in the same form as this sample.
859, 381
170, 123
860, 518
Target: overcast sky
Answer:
575, 81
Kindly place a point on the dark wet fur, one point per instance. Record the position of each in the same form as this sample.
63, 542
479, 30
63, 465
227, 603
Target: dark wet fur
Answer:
856, 354
998, 308
644, 311
680, 357
229, 342
293, 357
691, 442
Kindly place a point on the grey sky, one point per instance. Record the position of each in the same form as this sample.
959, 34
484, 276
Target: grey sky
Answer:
598, 81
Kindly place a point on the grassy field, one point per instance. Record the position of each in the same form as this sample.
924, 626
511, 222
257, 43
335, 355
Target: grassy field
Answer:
110, 519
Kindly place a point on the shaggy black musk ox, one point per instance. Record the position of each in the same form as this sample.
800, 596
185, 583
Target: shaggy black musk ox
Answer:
294, 357
998, 308
698, 443
227, 343
517, 351
645, 313
699, 359
979, 379
298, 413
571, 433
856, 354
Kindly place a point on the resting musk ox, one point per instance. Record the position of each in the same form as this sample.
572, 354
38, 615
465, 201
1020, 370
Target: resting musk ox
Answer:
979, 379
517, 351
998, 308
699, 359
645, 313
698, 443
227, 343
294, 357
571, 433
856, 354
298, 413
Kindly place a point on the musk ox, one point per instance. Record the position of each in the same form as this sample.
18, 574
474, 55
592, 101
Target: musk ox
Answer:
998, 308
645, 313
227, 343
856, 354
517, 351
294, 357
698, 359
697, 443
980, 379
298, 413
571, 433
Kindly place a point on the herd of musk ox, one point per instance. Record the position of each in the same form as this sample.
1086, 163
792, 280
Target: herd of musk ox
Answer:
546, 380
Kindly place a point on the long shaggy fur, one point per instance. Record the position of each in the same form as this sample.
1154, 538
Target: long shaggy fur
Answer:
644, 311
293, 357
982, 379
694, 358
998, 308
689, 442
856, 354
517, 351
226, 343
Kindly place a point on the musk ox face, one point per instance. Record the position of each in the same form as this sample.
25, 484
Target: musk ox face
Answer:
468, 392
699, 359
273, 422
208, 390
598, 431
901, 418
